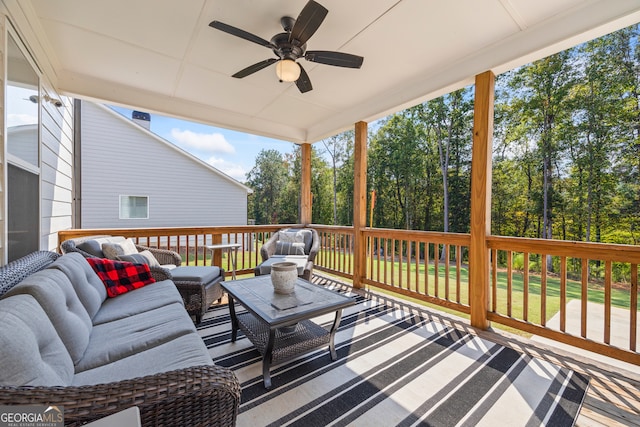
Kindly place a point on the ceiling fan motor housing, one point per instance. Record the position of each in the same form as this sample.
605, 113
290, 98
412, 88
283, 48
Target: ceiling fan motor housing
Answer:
285, 49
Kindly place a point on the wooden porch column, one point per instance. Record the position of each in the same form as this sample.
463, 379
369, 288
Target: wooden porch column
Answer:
305, 185
481, 199
359, 204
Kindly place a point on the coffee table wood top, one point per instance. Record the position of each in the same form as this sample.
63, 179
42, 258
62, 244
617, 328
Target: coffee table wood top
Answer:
308, 300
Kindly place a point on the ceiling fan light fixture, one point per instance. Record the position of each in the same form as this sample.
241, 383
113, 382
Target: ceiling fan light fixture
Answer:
287, 70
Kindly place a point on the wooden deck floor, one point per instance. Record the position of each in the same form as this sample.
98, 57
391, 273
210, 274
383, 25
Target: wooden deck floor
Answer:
613, 398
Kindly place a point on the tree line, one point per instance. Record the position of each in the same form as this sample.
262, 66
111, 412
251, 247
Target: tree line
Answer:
566, 156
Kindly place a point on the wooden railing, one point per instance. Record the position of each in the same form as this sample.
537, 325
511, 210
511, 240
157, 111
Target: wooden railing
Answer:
191, 242
560, 290
582, 294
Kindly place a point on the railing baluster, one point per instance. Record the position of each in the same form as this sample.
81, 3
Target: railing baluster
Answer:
393, 261
417, 257
584, 295
446, 248
563, 293
607, 302
633, 321
409, 264
436, 273
426, 268
509, 282
459, 271
525, 287
494, 280
543, 290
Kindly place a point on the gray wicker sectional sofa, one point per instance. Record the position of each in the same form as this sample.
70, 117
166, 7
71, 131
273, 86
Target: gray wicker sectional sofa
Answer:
64, 342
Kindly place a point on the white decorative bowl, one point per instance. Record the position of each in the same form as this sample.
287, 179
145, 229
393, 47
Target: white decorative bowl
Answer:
283, 277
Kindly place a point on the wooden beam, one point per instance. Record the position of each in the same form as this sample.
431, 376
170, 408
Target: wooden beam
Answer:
481, 199
305, 185
360, 205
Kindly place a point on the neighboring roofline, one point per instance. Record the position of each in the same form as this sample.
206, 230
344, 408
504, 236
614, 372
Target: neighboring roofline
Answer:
130, 122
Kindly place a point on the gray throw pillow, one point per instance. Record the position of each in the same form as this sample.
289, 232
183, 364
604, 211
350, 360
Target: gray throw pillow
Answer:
288, 248
144, 257
114, 250
92, 247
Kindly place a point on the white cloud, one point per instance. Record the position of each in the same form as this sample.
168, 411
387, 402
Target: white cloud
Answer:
234, 170
21, 119
204, 142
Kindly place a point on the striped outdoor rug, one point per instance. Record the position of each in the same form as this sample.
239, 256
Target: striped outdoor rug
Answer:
397, 365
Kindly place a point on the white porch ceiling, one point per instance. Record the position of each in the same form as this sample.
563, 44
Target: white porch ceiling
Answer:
161, 56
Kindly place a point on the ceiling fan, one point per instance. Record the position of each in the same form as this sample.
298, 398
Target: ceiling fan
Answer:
292, 45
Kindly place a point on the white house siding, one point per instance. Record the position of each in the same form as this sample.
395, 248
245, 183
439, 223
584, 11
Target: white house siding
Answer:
120, 157
56, 170
56, 140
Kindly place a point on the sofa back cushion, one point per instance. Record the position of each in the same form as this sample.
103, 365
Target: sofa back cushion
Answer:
85, 281
94, 246
53, 290
32, 352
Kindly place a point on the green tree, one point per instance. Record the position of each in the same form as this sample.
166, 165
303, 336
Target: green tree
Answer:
267, 178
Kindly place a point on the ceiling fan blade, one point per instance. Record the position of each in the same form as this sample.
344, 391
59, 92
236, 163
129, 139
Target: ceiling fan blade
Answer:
255, 67
308, 22
337, 59
303, 82
239, 33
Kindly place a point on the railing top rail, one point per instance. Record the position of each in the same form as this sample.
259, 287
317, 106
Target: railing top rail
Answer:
338, 228
431, 236
589, 250
169, 231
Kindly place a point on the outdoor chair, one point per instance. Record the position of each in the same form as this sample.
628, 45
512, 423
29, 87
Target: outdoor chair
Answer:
297, 245
199, 286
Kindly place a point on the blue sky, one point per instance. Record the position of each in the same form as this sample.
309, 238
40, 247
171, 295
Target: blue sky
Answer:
231, 152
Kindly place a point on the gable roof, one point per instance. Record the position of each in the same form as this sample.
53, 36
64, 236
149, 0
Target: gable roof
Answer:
179, 151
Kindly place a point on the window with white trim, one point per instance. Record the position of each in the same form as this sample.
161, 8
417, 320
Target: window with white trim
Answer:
134, 207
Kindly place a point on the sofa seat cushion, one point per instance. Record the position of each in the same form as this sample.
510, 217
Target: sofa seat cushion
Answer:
88, 286
299, 260
32, 352
122, 338
181, 352
57, 297
195, 274
150, 297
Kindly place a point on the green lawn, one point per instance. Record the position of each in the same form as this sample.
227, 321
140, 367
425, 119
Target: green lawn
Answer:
620, 294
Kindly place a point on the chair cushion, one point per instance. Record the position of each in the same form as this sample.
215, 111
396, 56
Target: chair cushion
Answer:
114, 250
32, 352
296, 235
299, 260
143, 257
195, 274
288, 248
120, 277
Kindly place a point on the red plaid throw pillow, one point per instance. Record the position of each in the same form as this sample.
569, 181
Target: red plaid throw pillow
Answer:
119, 276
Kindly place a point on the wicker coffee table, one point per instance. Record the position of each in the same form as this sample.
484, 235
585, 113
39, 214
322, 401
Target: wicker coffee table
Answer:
278, 325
